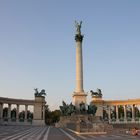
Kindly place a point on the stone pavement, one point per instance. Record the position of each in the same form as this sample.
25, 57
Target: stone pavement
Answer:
52, 133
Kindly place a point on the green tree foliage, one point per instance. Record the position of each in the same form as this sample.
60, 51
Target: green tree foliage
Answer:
51, 117
55, 116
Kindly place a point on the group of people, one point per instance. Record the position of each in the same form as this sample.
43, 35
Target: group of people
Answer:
135, 131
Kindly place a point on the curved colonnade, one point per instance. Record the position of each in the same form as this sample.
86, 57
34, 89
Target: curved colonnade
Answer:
118, 111
9, 115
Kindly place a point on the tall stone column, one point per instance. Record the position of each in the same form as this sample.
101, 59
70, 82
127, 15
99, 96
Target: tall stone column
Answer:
79, 95
79, 65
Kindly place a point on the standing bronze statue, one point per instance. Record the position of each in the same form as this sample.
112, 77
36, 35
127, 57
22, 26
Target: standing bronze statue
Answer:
78, 27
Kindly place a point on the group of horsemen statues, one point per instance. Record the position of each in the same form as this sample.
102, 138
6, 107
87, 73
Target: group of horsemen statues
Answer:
69, 109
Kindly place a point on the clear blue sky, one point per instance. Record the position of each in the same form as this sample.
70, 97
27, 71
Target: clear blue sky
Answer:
37, 48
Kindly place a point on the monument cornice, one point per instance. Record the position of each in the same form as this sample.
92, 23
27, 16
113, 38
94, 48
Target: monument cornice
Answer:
16, 101
117, 102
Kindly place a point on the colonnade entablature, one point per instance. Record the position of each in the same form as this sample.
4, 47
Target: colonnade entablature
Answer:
118, 111
18, 111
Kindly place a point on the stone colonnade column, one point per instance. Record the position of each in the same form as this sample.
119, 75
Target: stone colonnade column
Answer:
125, 112
26, 108
1, 110
133, 112
125, 116
109, 113
9, 111
17, 113
117, 114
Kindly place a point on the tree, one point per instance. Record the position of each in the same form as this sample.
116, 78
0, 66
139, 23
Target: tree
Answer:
51, 117
55, 116
47, 115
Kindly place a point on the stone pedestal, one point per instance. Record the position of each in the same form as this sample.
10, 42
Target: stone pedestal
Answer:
39, 112
83, 123
98, 102
78, 98
99, 112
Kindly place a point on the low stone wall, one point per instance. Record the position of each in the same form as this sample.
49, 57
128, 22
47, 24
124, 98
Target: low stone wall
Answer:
72, 126
15, 123
84, 123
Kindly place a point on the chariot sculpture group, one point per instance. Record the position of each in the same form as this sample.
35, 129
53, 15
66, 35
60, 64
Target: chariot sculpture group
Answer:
98, 93
41, 93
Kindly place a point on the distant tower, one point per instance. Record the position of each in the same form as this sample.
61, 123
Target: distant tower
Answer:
79, 94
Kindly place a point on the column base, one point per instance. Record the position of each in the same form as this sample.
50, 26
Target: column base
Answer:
117, 120
79, 97
125, 120
133, 120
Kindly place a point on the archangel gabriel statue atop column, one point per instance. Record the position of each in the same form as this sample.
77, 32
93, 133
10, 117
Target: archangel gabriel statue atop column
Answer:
78, 27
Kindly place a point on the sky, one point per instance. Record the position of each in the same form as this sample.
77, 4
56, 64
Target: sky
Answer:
37, 48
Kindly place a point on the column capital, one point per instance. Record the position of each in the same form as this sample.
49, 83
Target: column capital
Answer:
79, 38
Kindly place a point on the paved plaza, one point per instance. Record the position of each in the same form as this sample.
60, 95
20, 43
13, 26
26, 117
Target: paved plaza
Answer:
52, 133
